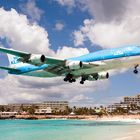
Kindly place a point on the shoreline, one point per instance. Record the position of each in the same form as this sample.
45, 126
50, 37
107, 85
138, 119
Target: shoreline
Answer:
124, 118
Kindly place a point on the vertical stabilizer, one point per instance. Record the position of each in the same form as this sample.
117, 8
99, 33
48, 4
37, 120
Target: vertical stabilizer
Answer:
13, 60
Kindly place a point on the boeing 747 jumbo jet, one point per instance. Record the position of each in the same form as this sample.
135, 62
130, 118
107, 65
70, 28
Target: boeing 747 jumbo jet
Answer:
93, 66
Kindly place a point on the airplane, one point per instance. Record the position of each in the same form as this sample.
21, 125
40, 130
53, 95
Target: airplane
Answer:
92, 66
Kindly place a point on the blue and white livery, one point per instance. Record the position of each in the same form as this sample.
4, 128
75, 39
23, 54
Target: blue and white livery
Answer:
92, 66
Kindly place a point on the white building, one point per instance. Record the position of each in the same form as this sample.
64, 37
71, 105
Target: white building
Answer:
132, 100
114, 106
8, 114
54, 105
127, 101
48, 110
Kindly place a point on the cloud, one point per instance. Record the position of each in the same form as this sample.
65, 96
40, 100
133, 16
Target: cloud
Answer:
80, 98
59, 26
79, 38
104, 10
68, 3
101, 10
67, 52
24, 89
23, 35
112, 24
31, 9
109, 35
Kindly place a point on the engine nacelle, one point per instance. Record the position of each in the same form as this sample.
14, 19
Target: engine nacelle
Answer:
103, 75
73, 64
98, 76
37, 59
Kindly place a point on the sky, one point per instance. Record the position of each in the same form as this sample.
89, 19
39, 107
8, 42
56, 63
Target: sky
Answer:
63, 29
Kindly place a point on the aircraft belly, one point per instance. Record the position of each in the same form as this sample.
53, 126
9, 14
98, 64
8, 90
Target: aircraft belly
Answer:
40, 73
109, 65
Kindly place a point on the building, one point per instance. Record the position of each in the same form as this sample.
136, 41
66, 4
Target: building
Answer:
7, 114
48, 110
114, 106
53, 105
132, 100
127, 102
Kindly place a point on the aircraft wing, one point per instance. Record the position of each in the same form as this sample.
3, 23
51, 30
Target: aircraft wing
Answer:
74, 67
52, 60
31, 58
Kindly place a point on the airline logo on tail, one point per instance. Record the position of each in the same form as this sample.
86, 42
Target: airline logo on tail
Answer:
15, 60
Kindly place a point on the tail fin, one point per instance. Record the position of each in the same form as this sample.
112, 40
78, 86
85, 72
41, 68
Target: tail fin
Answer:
13, 60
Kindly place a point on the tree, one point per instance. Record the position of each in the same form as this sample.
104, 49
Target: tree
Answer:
31, 110
2, 109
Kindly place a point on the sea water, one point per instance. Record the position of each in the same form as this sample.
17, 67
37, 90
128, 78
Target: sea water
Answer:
68, 130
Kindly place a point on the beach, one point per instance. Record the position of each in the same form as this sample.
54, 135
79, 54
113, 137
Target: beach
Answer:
82, 117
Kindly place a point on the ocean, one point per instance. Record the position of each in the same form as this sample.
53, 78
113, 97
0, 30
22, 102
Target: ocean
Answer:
68, 130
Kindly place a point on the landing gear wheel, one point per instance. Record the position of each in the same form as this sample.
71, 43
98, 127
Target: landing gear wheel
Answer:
96, 78
81, 82
73, 80
70, 81
65, 79
135, 71
69, 78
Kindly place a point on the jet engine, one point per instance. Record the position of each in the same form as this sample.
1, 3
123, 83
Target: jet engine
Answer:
103, 75
73, 64
98, 76
36, 59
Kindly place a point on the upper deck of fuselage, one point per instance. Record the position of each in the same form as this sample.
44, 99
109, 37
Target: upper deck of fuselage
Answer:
125, 51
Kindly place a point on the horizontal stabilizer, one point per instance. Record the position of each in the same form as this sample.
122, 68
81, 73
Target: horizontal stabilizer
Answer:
10, 69
14, 52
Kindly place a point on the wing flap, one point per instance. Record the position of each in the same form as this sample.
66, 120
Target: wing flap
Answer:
52, 60
92, 64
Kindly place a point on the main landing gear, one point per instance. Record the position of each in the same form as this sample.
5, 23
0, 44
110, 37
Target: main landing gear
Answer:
69, 78
136, 70
82, 80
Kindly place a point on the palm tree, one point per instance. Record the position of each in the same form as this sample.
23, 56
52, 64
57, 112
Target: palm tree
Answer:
2, 109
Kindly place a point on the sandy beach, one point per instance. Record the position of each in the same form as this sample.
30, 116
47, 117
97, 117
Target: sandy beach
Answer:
83, 117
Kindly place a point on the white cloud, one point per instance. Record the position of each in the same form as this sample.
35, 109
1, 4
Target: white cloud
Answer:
80, 98
114, 23
109, 35
67, 52
31, 9
59, 26
105, 10
23, 35
68, 3
24, 89
79, 38
85, 32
